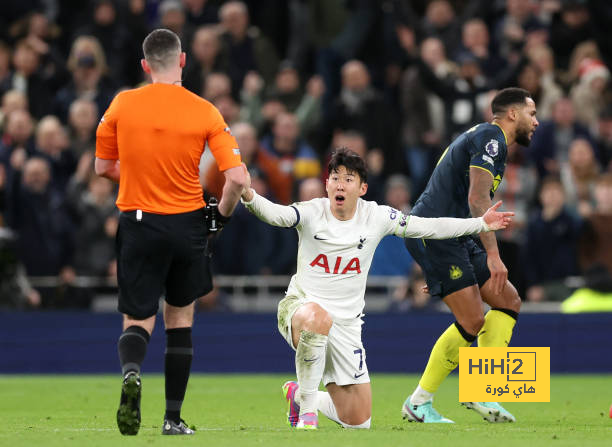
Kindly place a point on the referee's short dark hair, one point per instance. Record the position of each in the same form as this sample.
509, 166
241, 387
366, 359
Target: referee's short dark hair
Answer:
160, 47
350, 160
507, 97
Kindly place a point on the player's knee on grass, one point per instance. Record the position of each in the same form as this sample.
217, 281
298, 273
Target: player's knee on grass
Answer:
364, 425
356, 418
310, 317
354, 413
353, 403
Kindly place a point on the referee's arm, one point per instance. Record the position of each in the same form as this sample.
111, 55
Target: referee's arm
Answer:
235, 182
107, 150
108, 169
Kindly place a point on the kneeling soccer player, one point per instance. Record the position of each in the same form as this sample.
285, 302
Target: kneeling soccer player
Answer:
320, 317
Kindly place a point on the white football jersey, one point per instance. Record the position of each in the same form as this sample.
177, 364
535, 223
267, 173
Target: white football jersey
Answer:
334, 256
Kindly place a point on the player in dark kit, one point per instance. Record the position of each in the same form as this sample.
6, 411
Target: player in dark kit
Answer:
459, 270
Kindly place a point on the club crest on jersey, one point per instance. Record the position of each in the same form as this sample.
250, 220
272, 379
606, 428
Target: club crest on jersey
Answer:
229, 131
455, 272
492, 148
361, 242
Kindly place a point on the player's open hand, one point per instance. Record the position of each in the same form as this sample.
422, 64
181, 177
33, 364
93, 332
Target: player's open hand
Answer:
497, 220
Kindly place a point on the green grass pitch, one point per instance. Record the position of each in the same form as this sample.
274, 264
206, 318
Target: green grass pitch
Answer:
248, 410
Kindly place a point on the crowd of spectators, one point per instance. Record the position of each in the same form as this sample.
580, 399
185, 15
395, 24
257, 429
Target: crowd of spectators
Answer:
394, 80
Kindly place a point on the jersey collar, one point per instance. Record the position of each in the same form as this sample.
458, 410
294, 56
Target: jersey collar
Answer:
500, 128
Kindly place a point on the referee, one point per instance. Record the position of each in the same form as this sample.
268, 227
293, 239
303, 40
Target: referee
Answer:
150, 140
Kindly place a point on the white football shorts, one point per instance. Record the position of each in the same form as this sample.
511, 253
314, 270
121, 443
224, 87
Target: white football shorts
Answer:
345, 359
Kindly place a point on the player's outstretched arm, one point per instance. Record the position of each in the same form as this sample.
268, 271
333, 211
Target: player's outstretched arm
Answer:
269, 212
450, 227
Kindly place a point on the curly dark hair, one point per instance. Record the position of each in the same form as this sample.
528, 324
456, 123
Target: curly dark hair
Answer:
507, 97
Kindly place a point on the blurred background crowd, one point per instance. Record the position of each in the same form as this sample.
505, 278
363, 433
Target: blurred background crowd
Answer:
394, 80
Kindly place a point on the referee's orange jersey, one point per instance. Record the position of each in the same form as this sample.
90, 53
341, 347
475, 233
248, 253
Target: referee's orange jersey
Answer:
158, 133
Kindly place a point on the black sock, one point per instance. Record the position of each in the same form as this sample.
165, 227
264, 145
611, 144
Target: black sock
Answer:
132, 347
179, 352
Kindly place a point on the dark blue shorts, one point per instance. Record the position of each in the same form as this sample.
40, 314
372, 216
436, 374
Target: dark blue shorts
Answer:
451, 264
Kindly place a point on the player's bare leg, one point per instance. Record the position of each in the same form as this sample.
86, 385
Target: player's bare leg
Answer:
497, 332
178, 356
132, 347
466, 305
310, 327
348, 405
500, 320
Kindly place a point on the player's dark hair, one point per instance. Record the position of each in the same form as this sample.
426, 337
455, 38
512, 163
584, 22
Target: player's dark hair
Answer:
350, 160
159, 47
508, 97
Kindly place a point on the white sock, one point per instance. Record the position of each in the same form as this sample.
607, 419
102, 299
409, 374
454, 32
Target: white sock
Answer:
420, 396
309, 366
365, 424
325, 405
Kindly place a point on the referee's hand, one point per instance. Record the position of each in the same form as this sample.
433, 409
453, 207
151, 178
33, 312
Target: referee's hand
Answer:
247, 194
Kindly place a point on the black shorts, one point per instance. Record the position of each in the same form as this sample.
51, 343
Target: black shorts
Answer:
450, 264
157, 254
